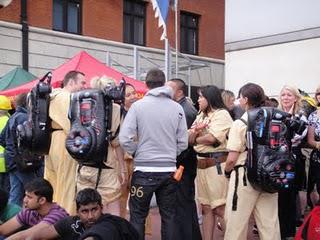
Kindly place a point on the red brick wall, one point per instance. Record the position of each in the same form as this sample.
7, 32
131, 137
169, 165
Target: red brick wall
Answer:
211, 25
40, 13
104, 19
11, 13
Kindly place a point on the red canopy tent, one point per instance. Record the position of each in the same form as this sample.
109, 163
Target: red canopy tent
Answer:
85, 63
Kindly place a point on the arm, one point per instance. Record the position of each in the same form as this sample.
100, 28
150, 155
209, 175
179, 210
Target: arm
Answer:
40, 231
207, 139
182, 134
10, 227
123, 171
195, 132
231, 161
128, 132
236, 145
119, 153
311, 140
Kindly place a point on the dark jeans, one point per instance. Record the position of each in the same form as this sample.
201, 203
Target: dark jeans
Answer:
4, 181
143, 185
186, 223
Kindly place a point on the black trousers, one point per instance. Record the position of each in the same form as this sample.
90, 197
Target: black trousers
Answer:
186, 223
287, 212
143, 185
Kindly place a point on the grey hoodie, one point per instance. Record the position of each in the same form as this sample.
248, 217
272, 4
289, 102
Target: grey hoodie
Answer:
155, 130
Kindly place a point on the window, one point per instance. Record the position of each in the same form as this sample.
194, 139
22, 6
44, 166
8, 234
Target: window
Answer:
67, 16
189, 37
134, 22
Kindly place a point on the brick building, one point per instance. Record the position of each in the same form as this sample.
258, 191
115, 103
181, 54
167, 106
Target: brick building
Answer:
120, 33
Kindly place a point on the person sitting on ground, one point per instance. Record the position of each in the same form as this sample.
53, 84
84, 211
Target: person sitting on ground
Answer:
7, 210
89, 212
39, 211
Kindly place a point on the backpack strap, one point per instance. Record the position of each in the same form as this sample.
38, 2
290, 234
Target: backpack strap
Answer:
244, 121
235, 193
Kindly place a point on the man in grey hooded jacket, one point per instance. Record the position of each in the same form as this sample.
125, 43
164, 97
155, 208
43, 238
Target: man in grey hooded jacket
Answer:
154, 132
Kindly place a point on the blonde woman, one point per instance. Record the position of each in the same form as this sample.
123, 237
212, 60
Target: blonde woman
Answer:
289, 212
114, 175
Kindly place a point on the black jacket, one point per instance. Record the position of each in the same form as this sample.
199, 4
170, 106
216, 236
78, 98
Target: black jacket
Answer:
8, 136
188, 157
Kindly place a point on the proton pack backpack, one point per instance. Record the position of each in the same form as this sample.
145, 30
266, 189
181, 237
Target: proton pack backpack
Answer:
269, 165
90, 114
86, 141
34, 134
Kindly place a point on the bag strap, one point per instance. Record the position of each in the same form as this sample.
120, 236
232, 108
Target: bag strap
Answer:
244, 121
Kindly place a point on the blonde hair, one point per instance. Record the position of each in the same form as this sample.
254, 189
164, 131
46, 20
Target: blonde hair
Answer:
226, 95
298, 104
102, 82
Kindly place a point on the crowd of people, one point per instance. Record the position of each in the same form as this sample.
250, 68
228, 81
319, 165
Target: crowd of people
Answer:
150, 142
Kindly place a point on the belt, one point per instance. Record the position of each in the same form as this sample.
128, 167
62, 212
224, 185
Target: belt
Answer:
215, 159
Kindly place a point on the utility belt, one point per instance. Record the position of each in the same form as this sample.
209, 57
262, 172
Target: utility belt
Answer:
211, 159
100, 167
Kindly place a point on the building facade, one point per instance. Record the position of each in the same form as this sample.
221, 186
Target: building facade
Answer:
40, 35
272, 43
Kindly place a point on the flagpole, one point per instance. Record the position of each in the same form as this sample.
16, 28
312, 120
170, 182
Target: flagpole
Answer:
167, 59
176, 27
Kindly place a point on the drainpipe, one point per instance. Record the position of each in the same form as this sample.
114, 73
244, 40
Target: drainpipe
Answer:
25, 35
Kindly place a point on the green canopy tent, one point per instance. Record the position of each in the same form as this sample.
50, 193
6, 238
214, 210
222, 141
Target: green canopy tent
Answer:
15, 78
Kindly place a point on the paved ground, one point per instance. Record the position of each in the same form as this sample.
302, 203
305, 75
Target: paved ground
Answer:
156, 225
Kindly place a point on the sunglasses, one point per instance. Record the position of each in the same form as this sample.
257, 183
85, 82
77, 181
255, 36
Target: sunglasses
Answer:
318, 93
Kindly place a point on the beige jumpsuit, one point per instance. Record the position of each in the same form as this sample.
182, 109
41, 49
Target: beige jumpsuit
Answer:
264, 206
212, 188
60, 167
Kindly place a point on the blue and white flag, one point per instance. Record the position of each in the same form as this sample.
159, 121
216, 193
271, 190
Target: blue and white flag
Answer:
161, 8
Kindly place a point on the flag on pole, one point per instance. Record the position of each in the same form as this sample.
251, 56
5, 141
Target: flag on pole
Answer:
161, 8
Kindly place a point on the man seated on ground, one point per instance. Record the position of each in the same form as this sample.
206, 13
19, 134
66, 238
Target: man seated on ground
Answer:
39, 211
89, 212
7, 210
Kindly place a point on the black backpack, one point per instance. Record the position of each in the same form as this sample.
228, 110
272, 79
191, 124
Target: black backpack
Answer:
27, 161
90, 114
34, 134
270, 165
86, 141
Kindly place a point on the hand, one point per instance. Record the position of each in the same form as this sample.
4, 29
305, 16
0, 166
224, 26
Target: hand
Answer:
200, 126
123, 177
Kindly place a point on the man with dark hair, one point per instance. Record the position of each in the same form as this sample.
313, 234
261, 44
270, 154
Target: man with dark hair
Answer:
89, 213
154, 132
73, 78
39, 211
186, 224
60, 167
18, 177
